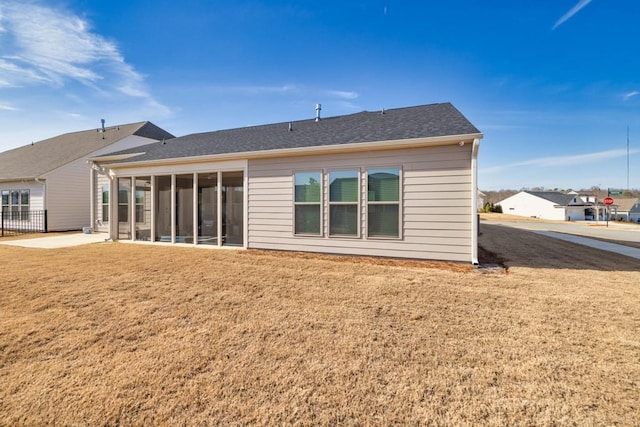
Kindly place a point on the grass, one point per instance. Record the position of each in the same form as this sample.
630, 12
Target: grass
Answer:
123, 334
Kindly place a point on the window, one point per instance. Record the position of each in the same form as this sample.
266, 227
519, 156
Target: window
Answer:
140, 206
307, 203
343, 203
24, 205
105, 203
5, 201
383, 202
15, 203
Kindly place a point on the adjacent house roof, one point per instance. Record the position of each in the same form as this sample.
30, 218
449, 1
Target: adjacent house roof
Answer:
626, 204
435, 120
33, 160
556, 197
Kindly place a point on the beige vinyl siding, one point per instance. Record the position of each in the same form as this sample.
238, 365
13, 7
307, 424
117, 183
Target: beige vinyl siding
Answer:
435, 203
68, 196
68, 189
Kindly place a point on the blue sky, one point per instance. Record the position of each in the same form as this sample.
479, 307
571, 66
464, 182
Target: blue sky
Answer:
553, 85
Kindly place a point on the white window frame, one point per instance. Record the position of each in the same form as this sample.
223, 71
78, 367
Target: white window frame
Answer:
358, 203
320, 203
399, 202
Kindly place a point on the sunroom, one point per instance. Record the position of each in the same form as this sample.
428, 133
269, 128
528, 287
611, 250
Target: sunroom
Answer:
200, 208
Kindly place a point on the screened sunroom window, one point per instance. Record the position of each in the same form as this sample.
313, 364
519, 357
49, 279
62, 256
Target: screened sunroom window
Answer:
343, 203
383, 202
307, 203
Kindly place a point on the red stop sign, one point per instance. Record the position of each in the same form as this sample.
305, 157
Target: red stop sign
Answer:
608, 201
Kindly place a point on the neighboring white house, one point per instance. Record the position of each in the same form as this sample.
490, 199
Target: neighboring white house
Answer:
395, 183
553, 205
53, 175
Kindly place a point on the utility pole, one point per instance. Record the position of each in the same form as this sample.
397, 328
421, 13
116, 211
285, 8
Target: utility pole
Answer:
628, 158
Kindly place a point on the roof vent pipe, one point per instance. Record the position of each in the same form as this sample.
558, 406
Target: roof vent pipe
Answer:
318, 108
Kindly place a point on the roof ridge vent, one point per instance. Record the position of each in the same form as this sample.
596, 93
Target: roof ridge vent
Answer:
318, 108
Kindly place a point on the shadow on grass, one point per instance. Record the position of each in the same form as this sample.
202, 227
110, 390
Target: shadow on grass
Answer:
513, 247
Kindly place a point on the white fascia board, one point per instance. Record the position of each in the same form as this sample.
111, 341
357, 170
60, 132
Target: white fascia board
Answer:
114, 158
321, 149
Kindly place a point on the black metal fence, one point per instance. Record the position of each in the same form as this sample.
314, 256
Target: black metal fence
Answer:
13, 223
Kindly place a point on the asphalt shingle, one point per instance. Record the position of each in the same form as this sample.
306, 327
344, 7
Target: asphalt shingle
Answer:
424, 121
33, 160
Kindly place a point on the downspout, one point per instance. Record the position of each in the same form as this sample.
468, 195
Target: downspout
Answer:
474, 202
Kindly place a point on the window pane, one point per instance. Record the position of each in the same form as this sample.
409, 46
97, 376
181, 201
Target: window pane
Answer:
105, 213
343, 220
105, 194
24, 197
383, 220
307, 187
15, 197
5, 198
308, 219
343, 186
384, 185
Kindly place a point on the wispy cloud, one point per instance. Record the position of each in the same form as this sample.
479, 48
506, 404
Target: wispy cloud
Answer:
43, 45
575, 9
342, 94
7, 107
630, 95
253, 90
561, 161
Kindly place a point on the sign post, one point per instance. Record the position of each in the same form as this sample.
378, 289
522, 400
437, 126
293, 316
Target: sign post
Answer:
608, 201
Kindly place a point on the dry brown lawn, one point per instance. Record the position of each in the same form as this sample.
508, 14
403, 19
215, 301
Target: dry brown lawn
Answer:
126, 334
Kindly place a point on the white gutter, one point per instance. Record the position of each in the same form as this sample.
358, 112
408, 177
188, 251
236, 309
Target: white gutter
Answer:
286, 152
474, 202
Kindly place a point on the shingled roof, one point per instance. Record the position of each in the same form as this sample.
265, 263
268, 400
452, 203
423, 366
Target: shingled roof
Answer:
33, 160
435, 120
556, 197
